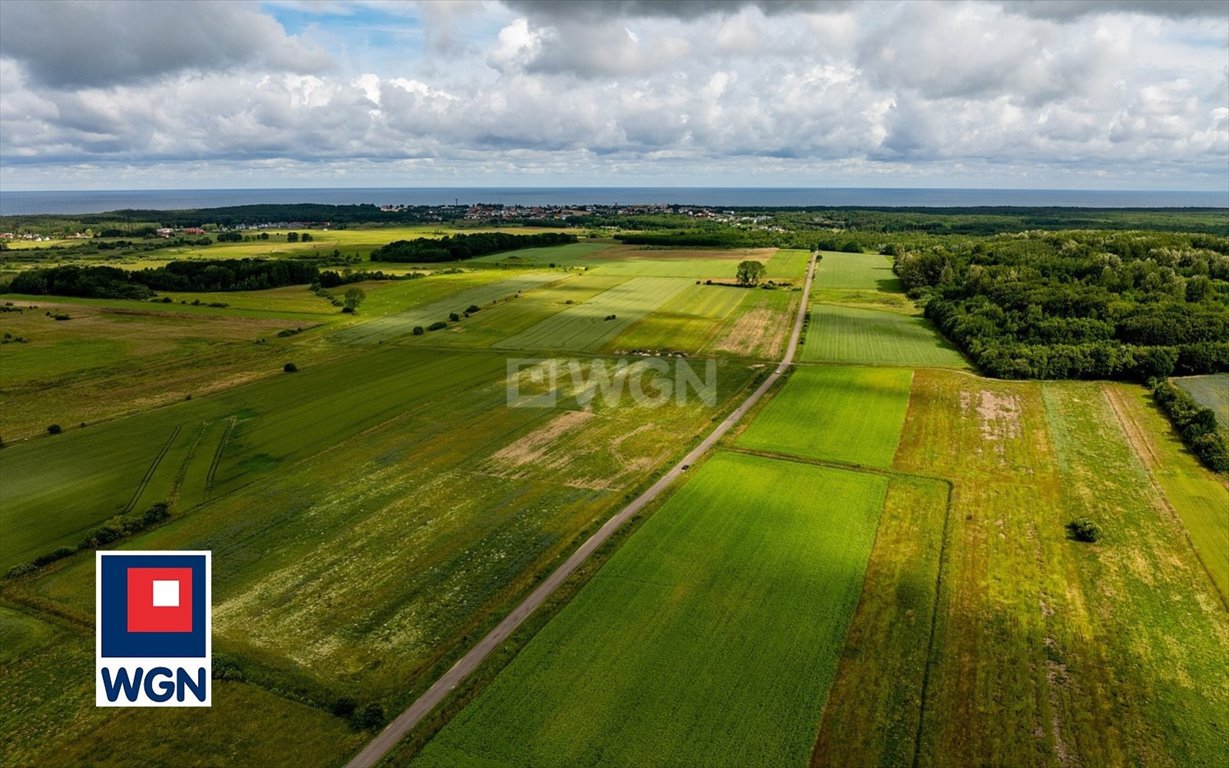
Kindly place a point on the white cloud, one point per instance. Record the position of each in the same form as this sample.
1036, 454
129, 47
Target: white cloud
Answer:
798, 94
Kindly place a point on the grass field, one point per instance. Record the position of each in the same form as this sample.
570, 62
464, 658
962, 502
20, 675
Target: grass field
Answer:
839, 334
758, 326
710, 638
856, 271
851, 415
1210, 392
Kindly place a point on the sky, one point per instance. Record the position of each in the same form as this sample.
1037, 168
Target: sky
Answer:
1050, 94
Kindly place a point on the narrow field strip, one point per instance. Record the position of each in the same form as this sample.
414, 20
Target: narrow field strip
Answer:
710, 638
687, 322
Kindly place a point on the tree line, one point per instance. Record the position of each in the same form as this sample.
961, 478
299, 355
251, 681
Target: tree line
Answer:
201, 276
457, 247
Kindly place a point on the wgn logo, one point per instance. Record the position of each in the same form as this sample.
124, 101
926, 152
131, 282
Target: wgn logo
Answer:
153, 635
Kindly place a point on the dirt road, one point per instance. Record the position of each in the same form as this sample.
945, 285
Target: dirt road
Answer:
407, 720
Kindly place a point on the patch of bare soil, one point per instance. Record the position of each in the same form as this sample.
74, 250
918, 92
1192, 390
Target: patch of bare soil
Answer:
1000, 416
534, 447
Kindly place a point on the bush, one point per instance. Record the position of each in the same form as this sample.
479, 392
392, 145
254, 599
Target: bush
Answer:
371, 717
418, 330
1083, 529
344, 707
290, 368
437, 325
453, 317
471, 309
54, 429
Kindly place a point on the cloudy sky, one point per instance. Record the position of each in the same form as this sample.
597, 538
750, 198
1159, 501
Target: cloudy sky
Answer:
1119, 94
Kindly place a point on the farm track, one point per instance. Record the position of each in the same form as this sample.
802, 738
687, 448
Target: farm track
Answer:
153, 467
1140, 443
378, 747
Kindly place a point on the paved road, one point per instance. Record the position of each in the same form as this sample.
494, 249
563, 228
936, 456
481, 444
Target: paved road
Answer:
405, 722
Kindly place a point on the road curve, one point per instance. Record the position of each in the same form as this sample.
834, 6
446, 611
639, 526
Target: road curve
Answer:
384, 741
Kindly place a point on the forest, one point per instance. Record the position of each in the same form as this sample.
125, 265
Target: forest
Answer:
1093, 304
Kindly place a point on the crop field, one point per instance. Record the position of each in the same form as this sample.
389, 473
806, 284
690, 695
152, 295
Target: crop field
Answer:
851, 415
1048, 650
840, 334
590, 324
1210, 392
687, 647
687, 322
859, 271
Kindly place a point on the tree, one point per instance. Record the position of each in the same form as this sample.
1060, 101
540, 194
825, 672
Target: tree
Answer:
292, 237
750, 272
354, 297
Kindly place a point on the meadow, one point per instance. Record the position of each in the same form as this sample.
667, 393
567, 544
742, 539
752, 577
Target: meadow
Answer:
686, 648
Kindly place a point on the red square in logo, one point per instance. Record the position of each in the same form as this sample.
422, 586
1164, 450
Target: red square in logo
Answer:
159, 599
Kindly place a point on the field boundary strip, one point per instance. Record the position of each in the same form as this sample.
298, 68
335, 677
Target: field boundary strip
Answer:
378, 747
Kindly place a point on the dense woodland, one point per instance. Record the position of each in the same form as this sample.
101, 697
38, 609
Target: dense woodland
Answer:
114, 283
425, 250
1078, 304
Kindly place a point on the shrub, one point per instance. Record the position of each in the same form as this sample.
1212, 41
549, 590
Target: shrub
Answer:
371, 717
418, 330
54, 429
437, 325
290, 368
344, 706
1083, 529
454, 317
471, 309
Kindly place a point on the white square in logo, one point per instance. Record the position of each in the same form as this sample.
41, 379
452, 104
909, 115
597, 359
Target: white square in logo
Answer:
166, 594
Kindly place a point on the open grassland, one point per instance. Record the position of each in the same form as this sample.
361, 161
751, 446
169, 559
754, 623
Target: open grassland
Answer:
58, 487
839, 334
384, 551
589, 325
1199, 497
1210, 392
710, 638
99, 336
851, 415
860, 280
687, 322
1048, 651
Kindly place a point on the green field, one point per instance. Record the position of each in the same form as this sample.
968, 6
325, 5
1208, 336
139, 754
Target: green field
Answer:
687, 647
587, 326
1210, 392
686, 322
851, 415
1032, 625
839, 334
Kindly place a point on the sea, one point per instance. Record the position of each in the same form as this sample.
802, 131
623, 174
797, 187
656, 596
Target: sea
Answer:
15, 203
